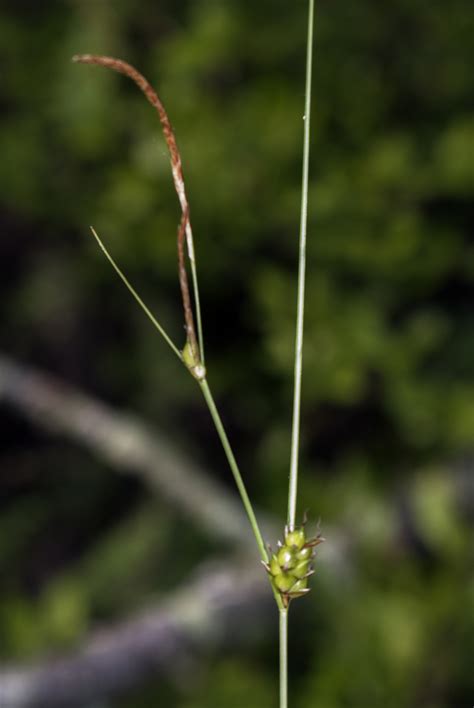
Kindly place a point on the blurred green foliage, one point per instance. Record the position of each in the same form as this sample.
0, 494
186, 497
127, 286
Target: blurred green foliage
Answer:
388, 408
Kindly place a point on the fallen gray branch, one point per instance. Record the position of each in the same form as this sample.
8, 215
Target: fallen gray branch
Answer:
127, 444
224, 605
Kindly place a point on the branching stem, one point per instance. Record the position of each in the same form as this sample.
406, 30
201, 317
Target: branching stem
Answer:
206, 391
122, 67
195, 342
234, 467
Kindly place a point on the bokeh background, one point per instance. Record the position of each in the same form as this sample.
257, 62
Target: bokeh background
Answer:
388, 405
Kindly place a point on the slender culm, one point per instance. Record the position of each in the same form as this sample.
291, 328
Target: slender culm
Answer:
295, 438
290, 568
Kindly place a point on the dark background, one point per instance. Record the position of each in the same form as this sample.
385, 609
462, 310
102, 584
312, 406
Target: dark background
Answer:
388, 390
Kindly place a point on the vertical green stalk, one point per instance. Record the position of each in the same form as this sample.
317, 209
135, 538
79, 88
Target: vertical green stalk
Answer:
283, 658
295, 436
197, 305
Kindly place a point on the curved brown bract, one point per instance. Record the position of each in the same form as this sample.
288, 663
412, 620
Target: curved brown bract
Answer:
122, 67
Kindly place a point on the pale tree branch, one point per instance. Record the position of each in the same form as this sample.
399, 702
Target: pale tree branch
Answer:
127, 444
225, 605
222, 605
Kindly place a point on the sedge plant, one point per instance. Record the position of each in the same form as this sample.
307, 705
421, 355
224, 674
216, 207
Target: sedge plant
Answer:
290, 567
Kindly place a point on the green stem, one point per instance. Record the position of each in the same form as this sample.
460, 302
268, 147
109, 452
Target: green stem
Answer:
137, 297
295, 436
283, 658
206, 391
197, 306
234, 467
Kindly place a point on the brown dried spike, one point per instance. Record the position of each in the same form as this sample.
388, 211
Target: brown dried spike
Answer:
184, 285
122, 67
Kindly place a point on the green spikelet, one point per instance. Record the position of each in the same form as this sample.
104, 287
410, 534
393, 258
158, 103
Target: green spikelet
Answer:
291, 566
192, 362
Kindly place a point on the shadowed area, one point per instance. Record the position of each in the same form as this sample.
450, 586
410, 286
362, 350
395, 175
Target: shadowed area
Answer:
124, 552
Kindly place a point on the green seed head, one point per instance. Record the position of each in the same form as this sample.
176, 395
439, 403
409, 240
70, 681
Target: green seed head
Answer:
301, 569
305, 554
192, 361
188, 356
274, 566
286, 558
290, 567
300, 585
296, 538
284, 582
